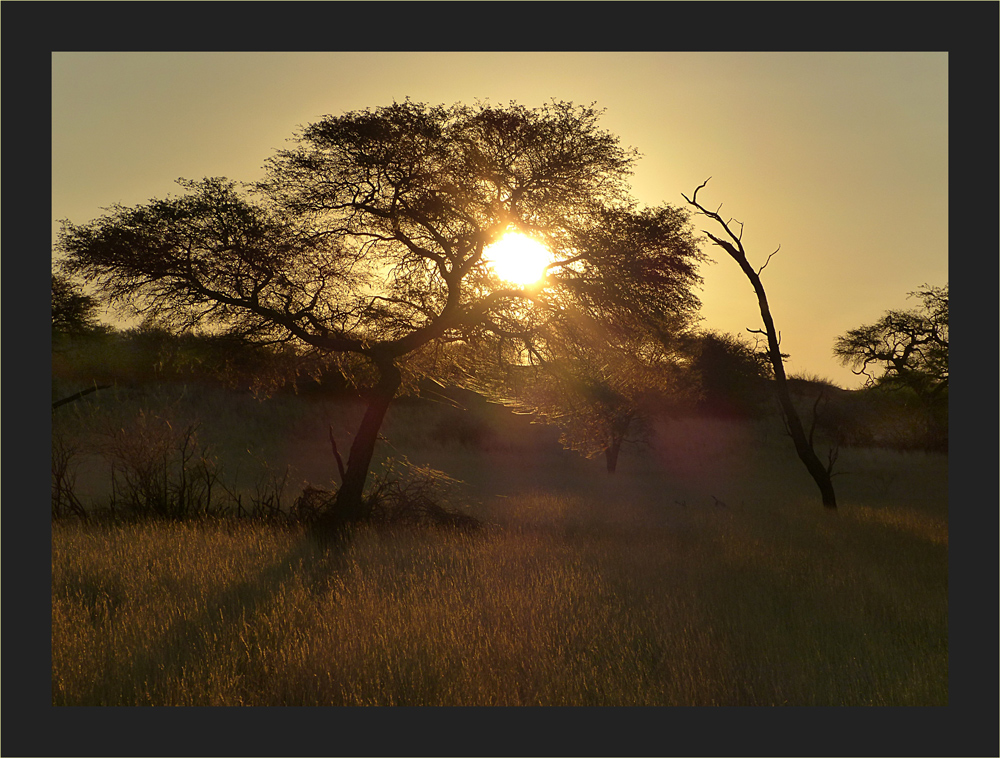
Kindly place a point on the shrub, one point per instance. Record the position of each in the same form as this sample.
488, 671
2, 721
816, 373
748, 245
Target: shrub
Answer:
733, 375
876, 417
64, 499
401, 493
158, 468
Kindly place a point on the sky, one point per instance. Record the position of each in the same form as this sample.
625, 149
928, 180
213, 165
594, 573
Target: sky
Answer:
841, 159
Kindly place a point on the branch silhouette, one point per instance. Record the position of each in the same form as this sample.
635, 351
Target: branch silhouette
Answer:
803, 444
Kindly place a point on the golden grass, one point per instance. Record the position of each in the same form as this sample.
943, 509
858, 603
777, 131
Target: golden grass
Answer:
567, 602
934, 530
704, 573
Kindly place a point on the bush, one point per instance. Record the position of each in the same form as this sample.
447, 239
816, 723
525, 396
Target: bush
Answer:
65, 452
880, 418
400, 494
733, 375
158, 468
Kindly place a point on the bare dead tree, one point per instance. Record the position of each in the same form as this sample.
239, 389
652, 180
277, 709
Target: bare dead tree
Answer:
821, 474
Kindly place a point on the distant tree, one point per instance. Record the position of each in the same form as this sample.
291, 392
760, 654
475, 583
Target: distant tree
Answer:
595, 365
364, 244
73, 311
74, 320
733, 246
599, 390
903, 348
907, 350
732, 373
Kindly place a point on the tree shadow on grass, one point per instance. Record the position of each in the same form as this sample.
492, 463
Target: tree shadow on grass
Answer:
147, 674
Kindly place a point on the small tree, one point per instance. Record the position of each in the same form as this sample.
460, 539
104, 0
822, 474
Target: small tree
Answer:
600, 391
903, 348
74, 329
732, 374
595, 363
803, 444
364, 244
906, 350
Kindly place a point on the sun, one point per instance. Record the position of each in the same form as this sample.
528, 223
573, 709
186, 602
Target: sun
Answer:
518, 258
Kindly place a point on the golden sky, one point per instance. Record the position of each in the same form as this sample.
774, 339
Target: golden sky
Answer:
839, 158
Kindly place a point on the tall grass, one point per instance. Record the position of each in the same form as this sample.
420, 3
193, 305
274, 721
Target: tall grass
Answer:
704, 573
566, 601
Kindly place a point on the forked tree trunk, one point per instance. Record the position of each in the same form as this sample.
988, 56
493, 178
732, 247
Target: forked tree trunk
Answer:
819, 472
349, 506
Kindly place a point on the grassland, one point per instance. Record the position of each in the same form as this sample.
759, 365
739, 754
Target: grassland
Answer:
704, 573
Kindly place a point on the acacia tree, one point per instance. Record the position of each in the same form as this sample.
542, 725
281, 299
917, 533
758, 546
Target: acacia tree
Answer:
909, 348
364, 243
594, 364
906, 350
821, 474
600, 389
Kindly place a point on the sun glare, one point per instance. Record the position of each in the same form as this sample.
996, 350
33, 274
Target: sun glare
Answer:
517, 258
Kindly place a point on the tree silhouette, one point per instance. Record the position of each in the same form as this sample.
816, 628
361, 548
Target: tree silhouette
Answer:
910, 348
364, 244
597, 386
733, 376
803, 444
908, 351
73, 311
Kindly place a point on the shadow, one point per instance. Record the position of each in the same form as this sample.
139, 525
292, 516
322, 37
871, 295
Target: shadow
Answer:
188, 639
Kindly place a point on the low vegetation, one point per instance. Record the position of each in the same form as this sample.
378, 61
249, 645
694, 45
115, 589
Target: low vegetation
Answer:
700, 574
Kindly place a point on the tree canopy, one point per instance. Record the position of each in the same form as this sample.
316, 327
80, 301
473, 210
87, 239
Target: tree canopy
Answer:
904, 348
365, 242
733, 373
597, 356
73, 311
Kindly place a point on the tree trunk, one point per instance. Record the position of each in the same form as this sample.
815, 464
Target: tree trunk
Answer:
349, 506
611, 455
819, 472
816, 469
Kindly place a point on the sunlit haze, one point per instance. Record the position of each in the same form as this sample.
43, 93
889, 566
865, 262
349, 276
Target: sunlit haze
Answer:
517, 258
839, 158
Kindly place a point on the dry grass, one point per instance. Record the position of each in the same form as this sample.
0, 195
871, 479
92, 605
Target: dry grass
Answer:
705, 573
708, 608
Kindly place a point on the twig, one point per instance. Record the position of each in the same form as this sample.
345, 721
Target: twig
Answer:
767, 261
831, 457
79, 394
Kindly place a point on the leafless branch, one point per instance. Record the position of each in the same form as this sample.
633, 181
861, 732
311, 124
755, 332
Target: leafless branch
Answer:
79, 394
694, 197
739, 237
768, 260
831, 458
